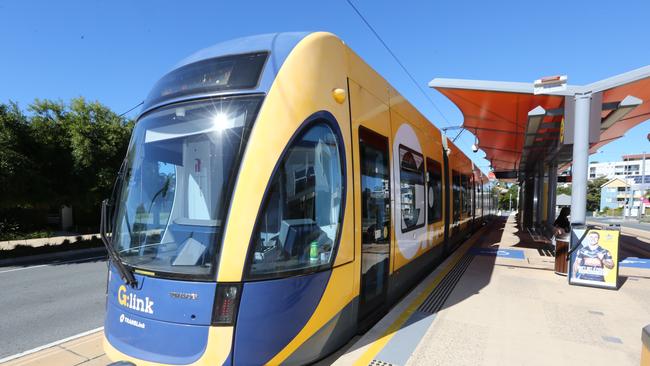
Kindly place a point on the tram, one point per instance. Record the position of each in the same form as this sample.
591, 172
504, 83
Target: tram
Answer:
277, 196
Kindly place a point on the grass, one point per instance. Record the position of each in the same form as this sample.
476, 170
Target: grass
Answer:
23, 236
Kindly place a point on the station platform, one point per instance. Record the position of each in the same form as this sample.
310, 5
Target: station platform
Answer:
495, 301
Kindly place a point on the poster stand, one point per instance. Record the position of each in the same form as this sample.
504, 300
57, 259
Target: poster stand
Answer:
593, 257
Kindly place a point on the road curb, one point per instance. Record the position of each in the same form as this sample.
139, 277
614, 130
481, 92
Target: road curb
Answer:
51, 256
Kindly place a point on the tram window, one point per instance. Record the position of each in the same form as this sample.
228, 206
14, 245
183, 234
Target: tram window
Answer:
470, 194
466, 202
411, 188
176, 183
456, 194
300, 219
434, 188
375, 188
468, 189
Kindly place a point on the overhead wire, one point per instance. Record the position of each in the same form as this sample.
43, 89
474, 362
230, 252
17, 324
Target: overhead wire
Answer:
134, 107
372, 29
458, 135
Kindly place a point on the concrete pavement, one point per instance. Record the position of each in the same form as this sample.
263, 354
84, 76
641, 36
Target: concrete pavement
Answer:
39, 242
86, 350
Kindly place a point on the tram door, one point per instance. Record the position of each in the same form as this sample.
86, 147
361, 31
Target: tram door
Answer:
375, 220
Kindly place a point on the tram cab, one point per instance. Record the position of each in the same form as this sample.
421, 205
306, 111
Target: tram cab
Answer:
259, 217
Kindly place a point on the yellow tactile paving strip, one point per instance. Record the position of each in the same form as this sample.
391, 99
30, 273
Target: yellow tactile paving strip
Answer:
86, 351
378, 344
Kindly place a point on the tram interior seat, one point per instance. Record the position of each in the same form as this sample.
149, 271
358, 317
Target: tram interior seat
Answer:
194, 236
190, 253
293, 241
296, 234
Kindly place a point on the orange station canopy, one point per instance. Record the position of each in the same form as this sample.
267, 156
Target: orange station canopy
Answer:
498, 114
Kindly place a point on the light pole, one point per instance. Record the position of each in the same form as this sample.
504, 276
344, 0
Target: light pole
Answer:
642, 189
626, 201
509, 201
518, 187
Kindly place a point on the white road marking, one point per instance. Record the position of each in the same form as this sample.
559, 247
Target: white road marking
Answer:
52, 264
20, 269
55, 343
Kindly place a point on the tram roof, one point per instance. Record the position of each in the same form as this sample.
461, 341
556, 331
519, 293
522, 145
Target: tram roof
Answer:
514, 125
279, 45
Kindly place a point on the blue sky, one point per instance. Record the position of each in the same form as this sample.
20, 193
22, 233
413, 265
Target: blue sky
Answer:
113, 51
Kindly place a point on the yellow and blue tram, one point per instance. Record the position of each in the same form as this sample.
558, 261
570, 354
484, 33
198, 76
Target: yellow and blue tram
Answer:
276, 196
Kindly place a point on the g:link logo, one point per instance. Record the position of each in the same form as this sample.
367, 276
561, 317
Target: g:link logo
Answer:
132, 301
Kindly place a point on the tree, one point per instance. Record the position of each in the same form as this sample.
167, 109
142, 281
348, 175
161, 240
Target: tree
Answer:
564, 190
98, 143
18, 171
593, 193
51, 154
505, 197
60, 154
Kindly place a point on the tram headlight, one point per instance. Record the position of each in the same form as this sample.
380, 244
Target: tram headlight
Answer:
226, 303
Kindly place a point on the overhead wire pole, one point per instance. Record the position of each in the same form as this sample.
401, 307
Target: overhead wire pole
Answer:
372, 29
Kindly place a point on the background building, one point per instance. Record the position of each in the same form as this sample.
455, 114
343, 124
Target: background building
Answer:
617, 192
631, 165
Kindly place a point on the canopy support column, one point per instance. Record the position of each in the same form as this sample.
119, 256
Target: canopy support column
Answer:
528, 205
580, 169
539, 193
552, 192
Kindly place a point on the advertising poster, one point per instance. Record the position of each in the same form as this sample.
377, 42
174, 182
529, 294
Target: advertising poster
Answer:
594, 262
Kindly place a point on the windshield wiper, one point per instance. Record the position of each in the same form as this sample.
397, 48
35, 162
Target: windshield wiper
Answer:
125, 273
163, 190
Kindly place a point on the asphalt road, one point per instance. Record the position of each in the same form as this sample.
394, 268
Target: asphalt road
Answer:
631, 245
627, 223
41, 304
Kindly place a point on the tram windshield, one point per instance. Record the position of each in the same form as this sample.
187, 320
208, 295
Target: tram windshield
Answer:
177, 182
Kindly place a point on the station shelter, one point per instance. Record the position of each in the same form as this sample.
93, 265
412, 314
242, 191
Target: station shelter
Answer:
530, 132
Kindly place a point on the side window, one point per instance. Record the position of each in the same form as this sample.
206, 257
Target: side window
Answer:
465, 189
434, 188
411, 188
456, 194
472, 188
468, 189
299, 223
